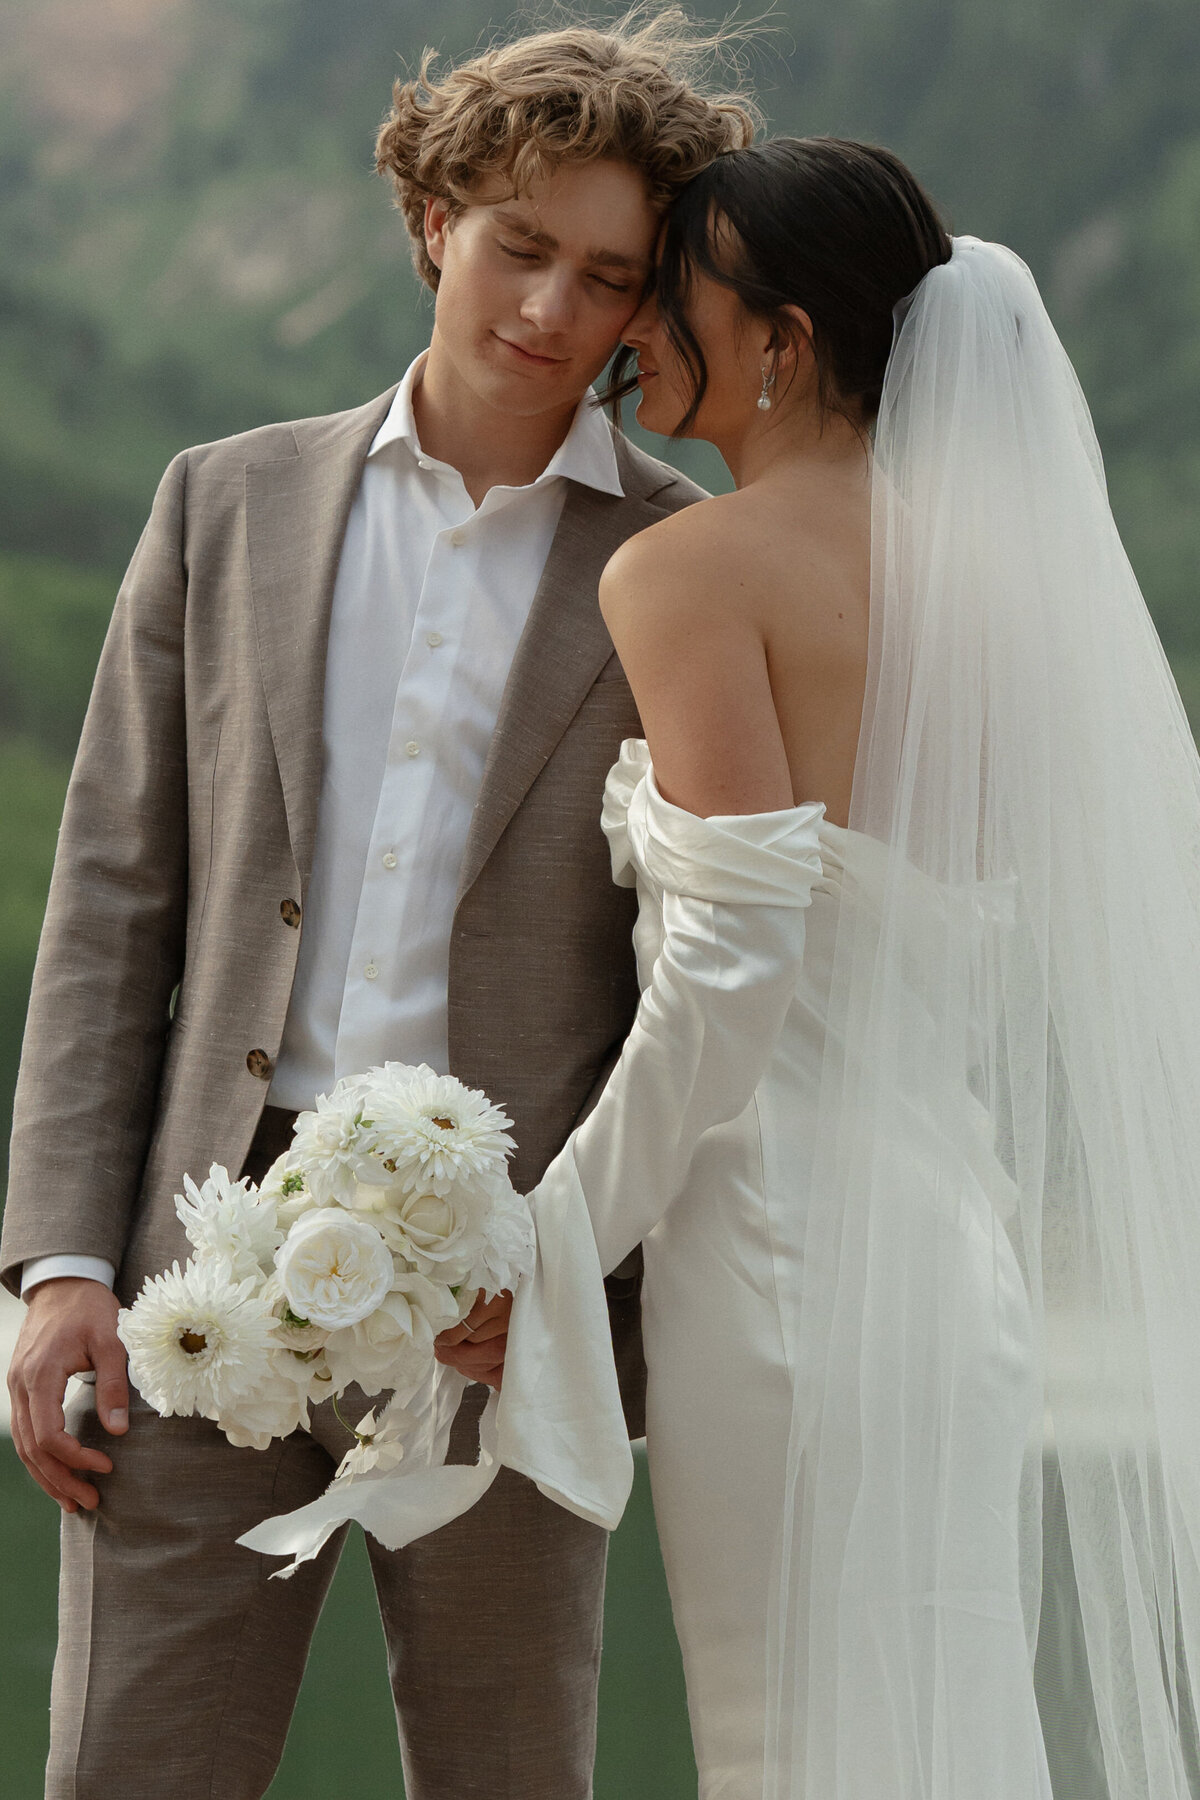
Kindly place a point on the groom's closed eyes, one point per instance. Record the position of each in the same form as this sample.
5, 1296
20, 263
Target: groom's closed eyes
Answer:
531, 238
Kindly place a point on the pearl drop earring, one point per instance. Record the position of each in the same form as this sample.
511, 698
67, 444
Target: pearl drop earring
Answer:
764, 399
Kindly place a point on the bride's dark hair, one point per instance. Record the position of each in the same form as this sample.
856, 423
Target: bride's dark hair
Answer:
841, 230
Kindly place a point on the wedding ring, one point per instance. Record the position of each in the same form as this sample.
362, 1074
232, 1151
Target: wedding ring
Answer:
469, 1329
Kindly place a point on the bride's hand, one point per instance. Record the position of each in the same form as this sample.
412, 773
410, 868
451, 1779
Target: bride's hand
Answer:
476, 1346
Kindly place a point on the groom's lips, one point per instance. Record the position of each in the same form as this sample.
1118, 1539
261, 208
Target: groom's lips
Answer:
530, 356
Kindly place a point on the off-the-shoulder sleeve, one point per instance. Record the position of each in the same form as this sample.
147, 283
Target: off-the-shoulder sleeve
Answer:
734, 892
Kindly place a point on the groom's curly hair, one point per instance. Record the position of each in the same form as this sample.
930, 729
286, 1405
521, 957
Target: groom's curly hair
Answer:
639, 90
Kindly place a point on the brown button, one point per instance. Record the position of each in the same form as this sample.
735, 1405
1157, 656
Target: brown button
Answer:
259, 1063
289, 912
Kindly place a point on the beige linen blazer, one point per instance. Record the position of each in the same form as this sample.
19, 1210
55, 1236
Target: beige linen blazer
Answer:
176, 906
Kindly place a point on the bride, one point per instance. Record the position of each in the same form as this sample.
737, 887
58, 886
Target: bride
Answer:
908, 1119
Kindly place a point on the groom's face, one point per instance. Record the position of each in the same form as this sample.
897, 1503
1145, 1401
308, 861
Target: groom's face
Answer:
536, 288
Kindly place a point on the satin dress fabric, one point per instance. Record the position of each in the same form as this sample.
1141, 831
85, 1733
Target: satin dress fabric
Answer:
724, 1275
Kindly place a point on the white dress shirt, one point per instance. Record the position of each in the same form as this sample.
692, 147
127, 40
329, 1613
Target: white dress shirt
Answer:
431, 598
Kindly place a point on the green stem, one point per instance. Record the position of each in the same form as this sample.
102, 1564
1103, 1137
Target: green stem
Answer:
360, 1436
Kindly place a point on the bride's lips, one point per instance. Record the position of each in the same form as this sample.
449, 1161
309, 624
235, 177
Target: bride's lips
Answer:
529, 356
646, 374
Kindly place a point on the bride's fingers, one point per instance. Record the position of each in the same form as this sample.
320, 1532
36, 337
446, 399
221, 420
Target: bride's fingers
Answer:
477, 1361
486, 1319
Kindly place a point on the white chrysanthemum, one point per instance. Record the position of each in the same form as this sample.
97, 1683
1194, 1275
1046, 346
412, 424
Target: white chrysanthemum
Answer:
229, 1219
509, 1248
330, 1142
198, 1341
439, 1235
393, 1346
430, 1132
334, 1267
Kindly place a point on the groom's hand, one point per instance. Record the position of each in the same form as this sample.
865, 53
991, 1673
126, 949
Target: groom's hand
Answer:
476, 1347
70, 1326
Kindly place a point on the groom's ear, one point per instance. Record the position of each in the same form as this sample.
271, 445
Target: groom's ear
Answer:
437, 223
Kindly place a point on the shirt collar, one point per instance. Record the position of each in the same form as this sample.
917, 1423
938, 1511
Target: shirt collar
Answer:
587, 454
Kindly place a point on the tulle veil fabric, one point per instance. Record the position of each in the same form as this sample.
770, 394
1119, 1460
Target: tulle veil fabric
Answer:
1003, 1248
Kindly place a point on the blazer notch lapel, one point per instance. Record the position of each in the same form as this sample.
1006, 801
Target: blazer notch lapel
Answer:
297, 509
562, 650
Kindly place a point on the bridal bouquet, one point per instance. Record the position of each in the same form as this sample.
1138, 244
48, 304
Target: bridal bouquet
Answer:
369, 1236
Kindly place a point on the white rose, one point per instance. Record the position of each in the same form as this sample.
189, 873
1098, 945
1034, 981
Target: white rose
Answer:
274, 1410
285, 1184
291, 1333
439, 1234
334, 1268
393, 1346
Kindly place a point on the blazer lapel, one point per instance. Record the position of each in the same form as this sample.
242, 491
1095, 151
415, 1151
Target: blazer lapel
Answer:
297, 508
562, 649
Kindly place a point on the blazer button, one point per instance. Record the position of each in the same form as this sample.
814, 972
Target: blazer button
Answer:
259, 1063
289, 912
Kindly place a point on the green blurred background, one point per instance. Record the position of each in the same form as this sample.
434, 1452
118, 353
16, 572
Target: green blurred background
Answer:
194, 242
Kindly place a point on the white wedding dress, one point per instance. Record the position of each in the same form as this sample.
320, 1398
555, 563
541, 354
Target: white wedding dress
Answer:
735, 940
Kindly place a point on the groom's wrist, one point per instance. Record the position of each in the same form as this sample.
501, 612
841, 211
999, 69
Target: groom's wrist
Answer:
55, 1268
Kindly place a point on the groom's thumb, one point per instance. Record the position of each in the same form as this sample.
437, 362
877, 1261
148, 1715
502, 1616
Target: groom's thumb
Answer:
112, 1387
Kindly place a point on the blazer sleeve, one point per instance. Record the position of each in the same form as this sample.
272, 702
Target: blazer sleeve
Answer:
111, 949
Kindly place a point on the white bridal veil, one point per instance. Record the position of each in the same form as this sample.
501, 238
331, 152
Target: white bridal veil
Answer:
1002, 1265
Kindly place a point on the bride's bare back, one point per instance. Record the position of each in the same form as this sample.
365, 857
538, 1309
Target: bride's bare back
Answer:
742, 626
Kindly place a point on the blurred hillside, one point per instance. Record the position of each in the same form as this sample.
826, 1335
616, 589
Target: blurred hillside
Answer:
194, 242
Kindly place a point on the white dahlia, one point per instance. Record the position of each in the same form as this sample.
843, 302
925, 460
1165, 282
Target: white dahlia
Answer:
509, 1248
430, 1132
330, 1142
229, 1219
198, 1341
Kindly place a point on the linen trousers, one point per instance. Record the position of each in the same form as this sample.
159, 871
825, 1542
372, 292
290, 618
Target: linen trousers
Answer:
179, 1659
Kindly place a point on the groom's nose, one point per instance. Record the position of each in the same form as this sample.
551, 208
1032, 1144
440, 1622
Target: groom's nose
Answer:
548, 301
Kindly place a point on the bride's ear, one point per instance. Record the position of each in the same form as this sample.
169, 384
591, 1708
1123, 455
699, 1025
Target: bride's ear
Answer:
792, 341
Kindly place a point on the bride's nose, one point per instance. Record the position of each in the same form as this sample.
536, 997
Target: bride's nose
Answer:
637, 333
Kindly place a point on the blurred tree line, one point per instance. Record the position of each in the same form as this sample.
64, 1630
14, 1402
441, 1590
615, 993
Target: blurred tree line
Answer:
195, 242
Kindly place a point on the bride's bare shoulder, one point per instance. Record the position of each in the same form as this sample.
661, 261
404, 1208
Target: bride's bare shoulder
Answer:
687, 558
697, 662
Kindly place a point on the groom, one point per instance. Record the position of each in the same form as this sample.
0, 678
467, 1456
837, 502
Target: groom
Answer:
337, 800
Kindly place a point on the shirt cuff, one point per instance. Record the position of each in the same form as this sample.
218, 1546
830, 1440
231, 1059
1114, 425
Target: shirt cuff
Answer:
49, 1268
